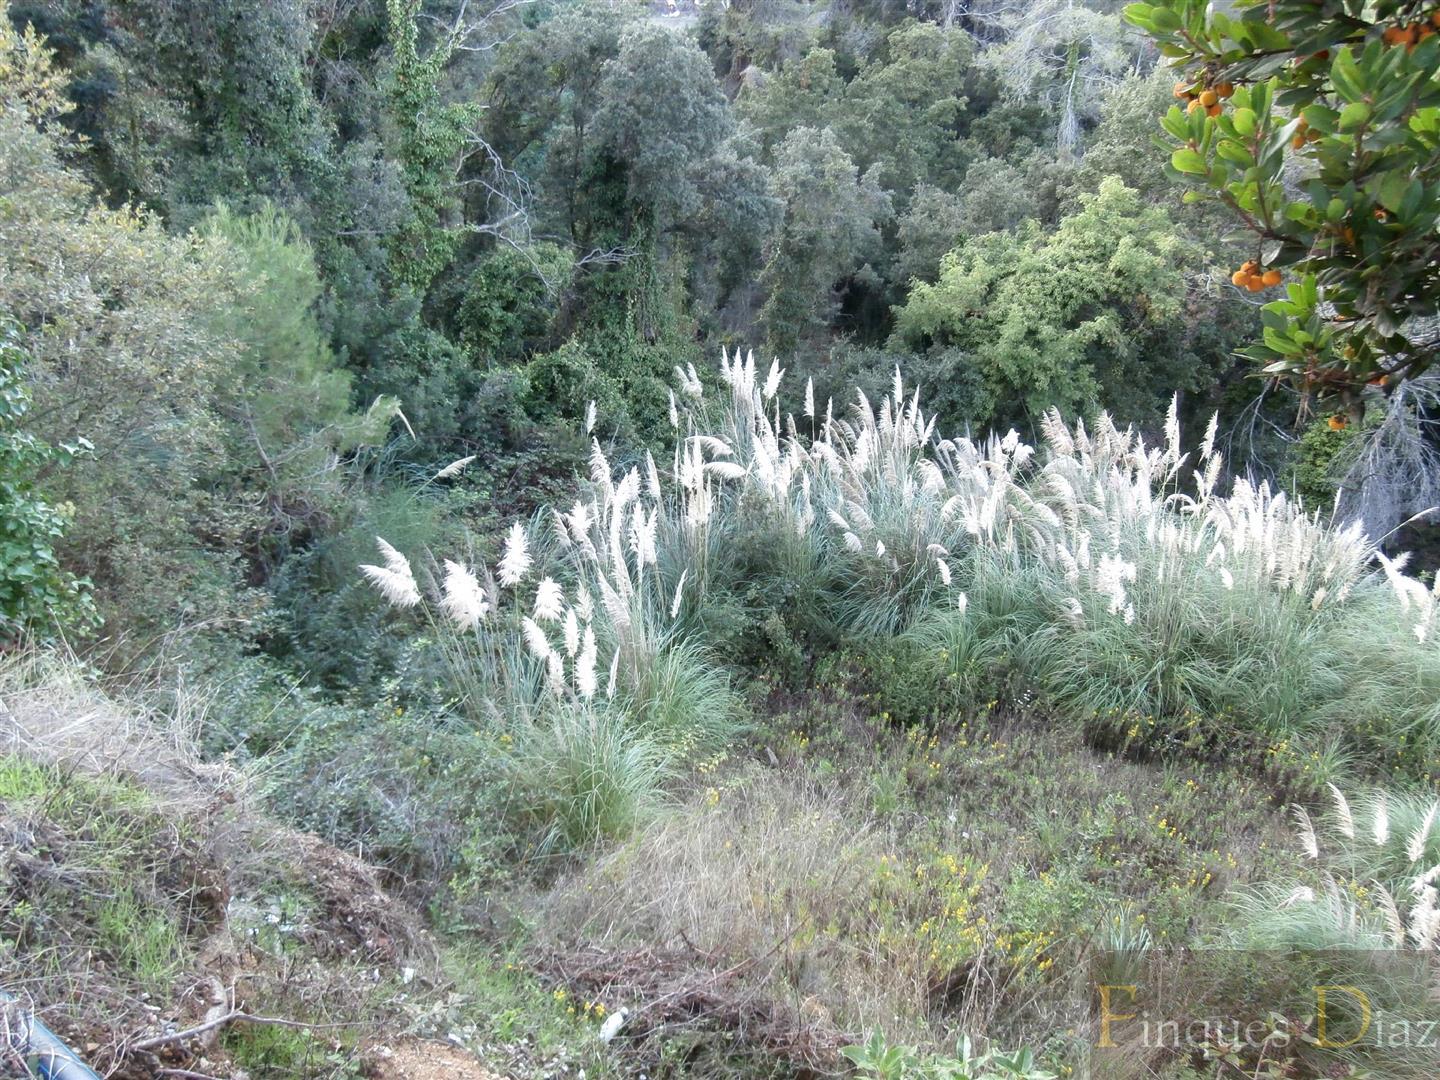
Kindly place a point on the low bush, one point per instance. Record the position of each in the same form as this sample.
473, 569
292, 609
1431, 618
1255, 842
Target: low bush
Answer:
582, 774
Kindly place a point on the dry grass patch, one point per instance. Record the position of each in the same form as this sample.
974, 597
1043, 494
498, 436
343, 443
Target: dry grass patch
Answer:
779, 881
141, 894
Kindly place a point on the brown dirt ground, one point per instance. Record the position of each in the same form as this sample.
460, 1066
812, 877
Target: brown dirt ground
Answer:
428, 1060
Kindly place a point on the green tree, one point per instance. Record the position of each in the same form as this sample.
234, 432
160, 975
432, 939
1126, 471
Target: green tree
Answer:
1345, 98
507, 306
1092, 314
662, 115
628, 141
112, 314
806, 92
432, 137
36, 593
285, 397
1064, 55
905, 112
830, 229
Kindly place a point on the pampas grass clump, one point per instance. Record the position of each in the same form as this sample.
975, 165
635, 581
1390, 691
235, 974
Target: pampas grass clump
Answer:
1122, 577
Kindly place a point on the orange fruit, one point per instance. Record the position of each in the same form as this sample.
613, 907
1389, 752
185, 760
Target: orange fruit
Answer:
1254, 283
1214, 110
1194, 104
1182, 89
1224, 89
1238, 279
1337, 423
1298, 142
1208, 98
1271, 278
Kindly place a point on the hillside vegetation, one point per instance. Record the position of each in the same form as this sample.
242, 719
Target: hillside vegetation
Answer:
779, 538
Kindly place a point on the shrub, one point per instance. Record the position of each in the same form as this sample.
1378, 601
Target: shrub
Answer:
1115, 579
35, 591
583, 775
509, 302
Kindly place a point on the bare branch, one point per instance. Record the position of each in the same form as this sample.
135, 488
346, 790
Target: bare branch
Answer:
231, 1017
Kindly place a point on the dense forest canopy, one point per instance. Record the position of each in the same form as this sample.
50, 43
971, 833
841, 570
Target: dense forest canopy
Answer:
849, 352
487, 216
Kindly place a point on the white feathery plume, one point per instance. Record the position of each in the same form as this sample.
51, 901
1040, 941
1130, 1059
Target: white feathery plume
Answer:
689, 380
1381, 829
578, 520
679, 593
464, 599
584, 604
614, 675
852, 542
599, 466
1172, 426
585, 683
652, 477
515, 561
1416, 846
589, 417
628, 490
572, 632
535, 638
1425, 920
674, 412
615, 607
962, 602
1393, 923
1342, 812
555, 670
643, 528
395, 562
454, 467
1207, 445
772, 380
725, 470
810, 398
1301, 894
562, 527
396, 588
395, 580
1306, 830
549, 600
944, 568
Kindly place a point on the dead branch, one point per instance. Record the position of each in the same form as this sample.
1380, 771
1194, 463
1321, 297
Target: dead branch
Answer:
234, 1016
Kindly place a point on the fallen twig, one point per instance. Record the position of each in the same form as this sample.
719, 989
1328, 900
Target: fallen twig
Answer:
233, 1016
